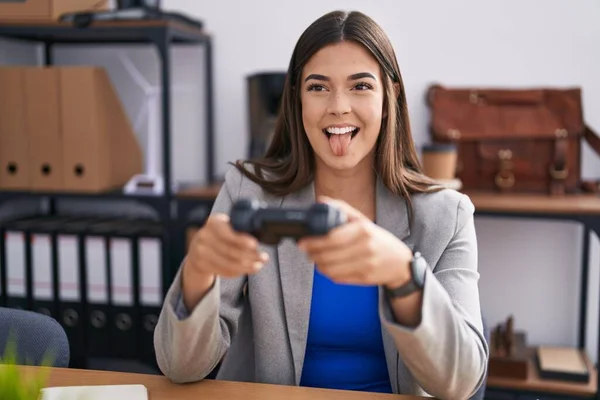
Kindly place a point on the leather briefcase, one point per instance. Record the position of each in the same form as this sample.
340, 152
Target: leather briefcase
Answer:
514, 140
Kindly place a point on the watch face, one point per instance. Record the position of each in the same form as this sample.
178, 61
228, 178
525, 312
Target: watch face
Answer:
419, 269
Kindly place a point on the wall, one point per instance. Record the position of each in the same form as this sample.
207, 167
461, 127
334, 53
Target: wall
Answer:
528, 268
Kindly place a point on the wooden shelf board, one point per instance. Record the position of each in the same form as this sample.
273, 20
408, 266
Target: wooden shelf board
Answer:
528, 203
537, 384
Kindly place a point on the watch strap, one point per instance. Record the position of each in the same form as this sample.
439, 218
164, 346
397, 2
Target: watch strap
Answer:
410, 286
402, 291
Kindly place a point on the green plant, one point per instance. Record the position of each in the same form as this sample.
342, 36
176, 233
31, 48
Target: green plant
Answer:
16, 383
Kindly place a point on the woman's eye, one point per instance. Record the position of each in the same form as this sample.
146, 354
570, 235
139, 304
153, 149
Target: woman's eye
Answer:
363, 86
316, 88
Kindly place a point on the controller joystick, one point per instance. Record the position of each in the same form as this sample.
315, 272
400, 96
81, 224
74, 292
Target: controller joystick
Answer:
269, 225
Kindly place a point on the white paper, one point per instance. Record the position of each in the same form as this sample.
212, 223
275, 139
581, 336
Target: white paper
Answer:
100, 392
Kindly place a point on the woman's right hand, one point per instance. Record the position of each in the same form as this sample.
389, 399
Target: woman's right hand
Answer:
217, 250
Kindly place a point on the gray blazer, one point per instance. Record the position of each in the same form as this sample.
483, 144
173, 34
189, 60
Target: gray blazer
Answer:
257, 325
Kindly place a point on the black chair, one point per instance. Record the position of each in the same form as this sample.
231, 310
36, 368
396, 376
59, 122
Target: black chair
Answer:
36, 337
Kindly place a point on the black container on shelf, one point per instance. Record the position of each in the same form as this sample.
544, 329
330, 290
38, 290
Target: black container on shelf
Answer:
264, 100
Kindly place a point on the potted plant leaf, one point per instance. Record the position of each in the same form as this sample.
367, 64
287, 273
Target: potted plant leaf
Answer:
15, 382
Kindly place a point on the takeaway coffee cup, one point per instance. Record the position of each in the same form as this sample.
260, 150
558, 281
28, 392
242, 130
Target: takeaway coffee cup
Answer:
439, 161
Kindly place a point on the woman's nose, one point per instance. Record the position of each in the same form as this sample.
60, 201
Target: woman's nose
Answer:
339, 104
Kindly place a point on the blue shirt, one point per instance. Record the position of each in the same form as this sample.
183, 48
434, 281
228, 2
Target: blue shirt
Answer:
344, 348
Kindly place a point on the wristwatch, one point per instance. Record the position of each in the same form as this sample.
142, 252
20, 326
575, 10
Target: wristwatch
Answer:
418, 268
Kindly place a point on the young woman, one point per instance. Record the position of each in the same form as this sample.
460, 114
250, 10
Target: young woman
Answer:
389, 301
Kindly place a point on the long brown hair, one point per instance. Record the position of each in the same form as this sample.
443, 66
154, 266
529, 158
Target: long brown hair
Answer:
288, 164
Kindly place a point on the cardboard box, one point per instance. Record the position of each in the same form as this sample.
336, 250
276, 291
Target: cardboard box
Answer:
64, 129
14, 143
46, 10
43, 128
99, 147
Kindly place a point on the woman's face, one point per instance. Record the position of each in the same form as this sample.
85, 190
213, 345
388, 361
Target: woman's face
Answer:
342, 105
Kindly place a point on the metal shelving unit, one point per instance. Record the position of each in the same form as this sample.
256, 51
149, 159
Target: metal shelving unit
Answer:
162, 33
582, 209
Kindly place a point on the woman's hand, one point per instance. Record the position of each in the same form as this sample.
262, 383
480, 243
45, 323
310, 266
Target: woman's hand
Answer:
217, 250
359, 252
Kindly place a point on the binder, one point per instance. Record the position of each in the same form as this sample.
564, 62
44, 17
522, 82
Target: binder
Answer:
3, 279
42, 113
70, 309
28, 265
118, 306
100, 278
131, 322
72, 249
14, 141
15, 272
152, 261
39, 245
97, 268
55, 277
100, 150
99, 326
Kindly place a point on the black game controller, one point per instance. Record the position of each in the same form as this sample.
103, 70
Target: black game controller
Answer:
270, 224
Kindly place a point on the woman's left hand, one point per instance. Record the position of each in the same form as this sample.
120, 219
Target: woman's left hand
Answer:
359, 252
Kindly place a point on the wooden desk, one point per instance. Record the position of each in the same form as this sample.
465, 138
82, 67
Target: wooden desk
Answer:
160, 388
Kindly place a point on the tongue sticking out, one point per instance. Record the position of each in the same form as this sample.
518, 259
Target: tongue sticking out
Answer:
339, 143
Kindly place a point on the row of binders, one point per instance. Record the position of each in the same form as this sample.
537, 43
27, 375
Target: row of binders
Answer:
100, 278
64, 128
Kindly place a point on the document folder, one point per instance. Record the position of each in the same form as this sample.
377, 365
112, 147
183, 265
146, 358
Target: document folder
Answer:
15, 159
3, 278
31, 276
53, 269
14, 266
131, 324
73, 252
152, 265
100, 278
